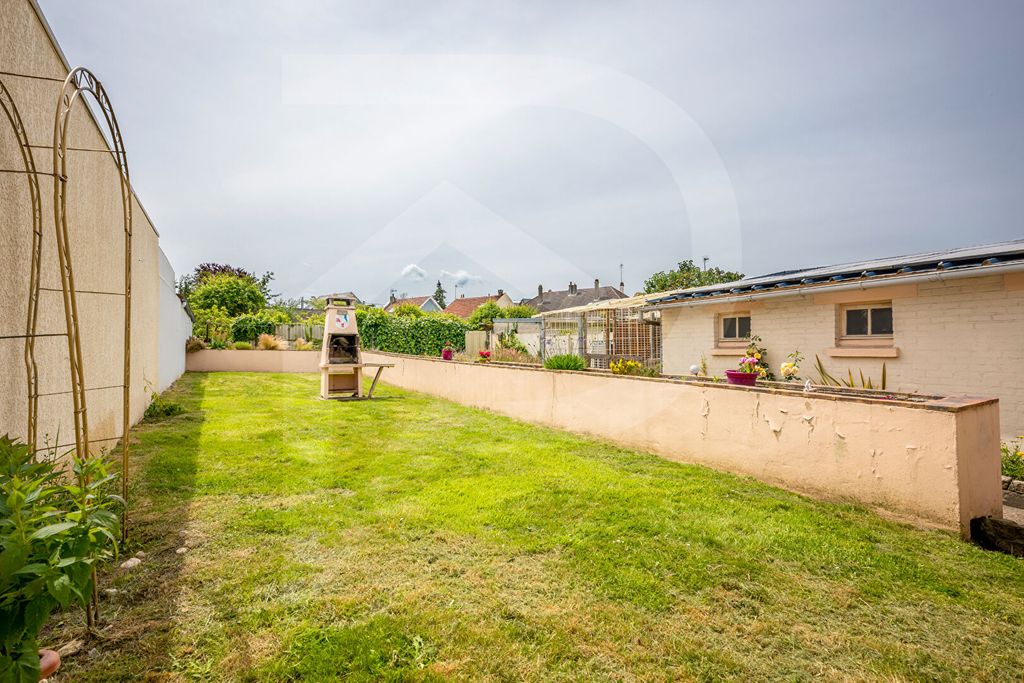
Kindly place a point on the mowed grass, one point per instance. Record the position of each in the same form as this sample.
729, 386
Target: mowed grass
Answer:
410, 538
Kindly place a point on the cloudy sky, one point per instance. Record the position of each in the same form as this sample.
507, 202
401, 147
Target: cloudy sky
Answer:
378, 145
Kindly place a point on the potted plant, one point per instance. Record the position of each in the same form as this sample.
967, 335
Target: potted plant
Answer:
747, 374
485, 356
447, 353
54, 530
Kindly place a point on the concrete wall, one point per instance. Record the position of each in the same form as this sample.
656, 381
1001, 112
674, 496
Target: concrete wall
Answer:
937, 460
175, 328
231, 360
97, 247
964, 335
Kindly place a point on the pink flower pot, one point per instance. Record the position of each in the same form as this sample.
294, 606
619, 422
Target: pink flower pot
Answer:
447, 354
745, 379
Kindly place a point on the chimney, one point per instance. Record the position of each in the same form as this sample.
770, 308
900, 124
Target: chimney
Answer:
540, 290
393, 299
597, 283
501, 293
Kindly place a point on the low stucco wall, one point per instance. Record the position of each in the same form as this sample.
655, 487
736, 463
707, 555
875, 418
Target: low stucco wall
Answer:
937, 460
230, 360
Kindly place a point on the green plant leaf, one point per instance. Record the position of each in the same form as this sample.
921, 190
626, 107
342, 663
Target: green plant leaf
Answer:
52, 529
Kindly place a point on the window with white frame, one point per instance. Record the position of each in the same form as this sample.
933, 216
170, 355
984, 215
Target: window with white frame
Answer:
870, 322
733, 328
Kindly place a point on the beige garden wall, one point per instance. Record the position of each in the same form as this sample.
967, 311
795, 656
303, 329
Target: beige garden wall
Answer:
938, 461
96, 235
959, 336
233, 360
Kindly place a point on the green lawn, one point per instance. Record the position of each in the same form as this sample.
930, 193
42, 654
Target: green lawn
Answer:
412, 538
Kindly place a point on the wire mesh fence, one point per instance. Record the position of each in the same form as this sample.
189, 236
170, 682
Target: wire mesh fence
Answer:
601, 335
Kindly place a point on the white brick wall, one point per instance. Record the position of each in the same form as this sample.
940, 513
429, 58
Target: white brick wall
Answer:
965, 336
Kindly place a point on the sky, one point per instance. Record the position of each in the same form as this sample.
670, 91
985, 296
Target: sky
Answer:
379, 146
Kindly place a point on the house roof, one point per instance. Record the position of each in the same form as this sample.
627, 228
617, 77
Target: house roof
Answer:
464, 306
566, 298
416, 301
876, 271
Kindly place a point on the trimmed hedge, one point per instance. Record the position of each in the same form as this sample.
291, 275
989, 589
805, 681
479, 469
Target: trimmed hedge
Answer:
422, 336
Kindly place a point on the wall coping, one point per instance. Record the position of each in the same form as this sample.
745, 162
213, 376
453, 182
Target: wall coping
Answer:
944, 403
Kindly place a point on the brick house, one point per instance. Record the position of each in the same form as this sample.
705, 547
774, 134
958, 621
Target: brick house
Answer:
559, 299
949, 321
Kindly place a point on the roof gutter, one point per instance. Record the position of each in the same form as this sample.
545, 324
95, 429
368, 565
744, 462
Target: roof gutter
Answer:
931, 276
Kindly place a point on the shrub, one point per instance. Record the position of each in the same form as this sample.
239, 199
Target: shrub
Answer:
302, 345
565, 361
218, 344
193, 344
163, 407
1013, 458
632, 367
212, 323
269, 342
509, 340
242, 346
418, 335
249, 327
518, 311
484, 315
237, 295
54, 529
409, 310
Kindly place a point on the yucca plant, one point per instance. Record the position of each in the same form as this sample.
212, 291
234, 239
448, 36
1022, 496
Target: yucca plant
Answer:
828, 380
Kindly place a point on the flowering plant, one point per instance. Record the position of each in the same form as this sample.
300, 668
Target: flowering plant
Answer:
760, 356
749, 364
790, 370
485, 356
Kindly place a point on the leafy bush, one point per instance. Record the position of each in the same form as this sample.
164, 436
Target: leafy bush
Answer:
510, 340
518, 311
419, 335
302, 345
53, 530
632, 367
242, 346
193, 344
236, 295
1013, 458
270, 342
218, 344
163, 407
212, 323
484, 315
249, 327
409, 310
565, 361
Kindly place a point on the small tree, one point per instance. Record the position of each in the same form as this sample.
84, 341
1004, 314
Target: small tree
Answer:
236, 295
439, 296
187, 283
484, 315
409, 311
688, 274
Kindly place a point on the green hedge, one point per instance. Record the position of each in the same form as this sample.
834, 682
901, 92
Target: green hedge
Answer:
246, 328
423, 336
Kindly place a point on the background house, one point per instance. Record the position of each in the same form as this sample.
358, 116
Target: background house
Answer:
573, 296
424, 303
942, 322
465, 305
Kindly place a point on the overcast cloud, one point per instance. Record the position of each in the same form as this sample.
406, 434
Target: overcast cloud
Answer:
368, 146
